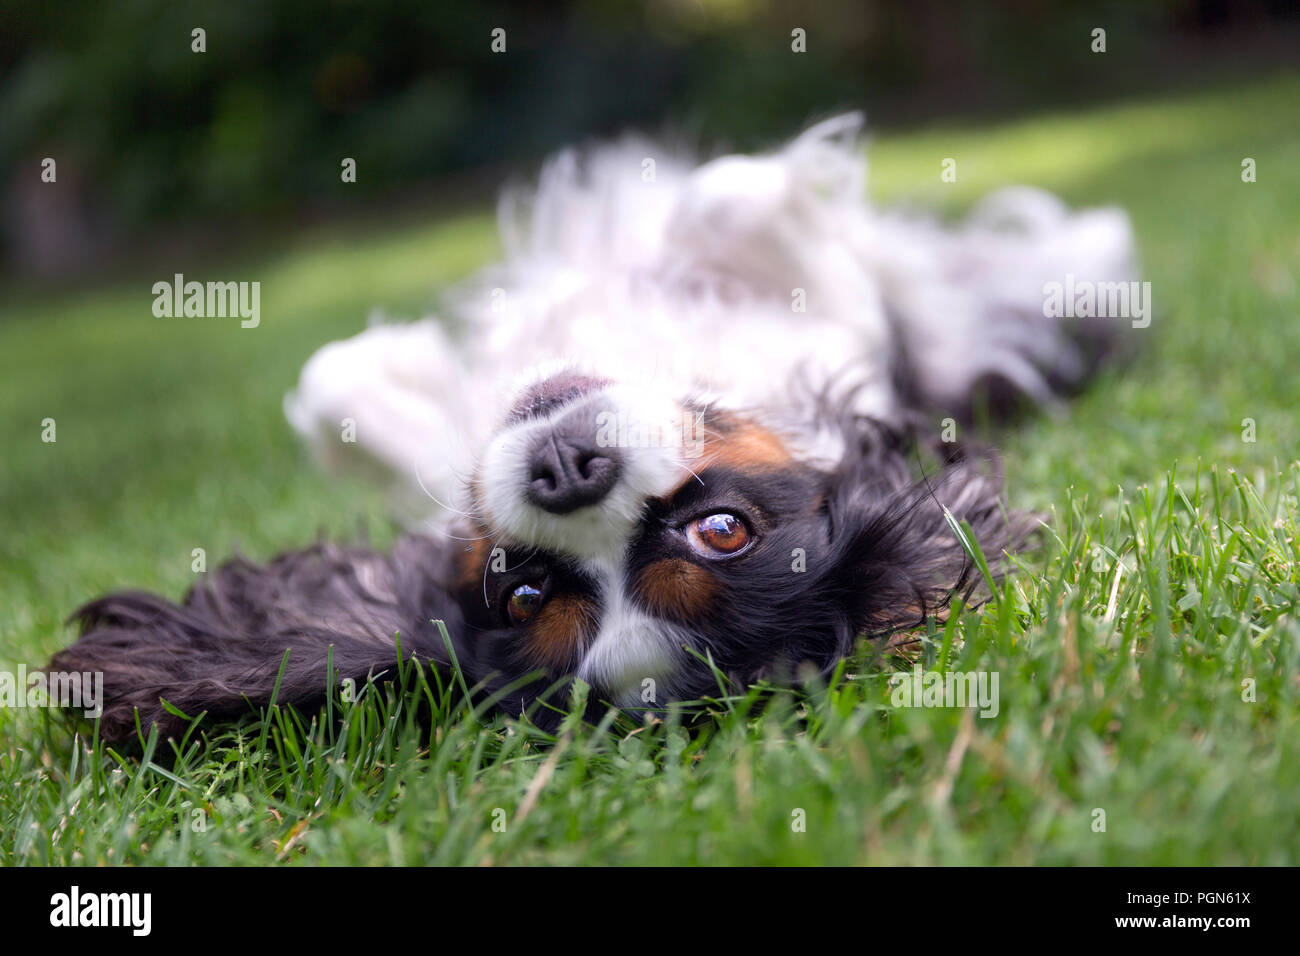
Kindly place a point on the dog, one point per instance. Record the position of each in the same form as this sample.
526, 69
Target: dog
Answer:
690, 425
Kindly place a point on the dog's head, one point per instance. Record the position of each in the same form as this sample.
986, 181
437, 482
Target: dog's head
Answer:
618, 535
626, 535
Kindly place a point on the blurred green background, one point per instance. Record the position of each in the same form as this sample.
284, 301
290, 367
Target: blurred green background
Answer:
161, 147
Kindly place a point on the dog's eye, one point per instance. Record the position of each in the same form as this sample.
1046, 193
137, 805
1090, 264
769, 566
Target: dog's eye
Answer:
525, 601
718, 534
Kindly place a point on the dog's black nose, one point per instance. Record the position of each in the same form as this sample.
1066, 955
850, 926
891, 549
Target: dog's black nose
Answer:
568, 470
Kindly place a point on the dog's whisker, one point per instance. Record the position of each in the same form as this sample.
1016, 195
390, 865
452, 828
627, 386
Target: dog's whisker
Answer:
694, 474
415, 467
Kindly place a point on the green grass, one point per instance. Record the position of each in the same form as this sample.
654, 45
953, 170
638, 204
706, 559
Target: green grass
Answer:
1147, 654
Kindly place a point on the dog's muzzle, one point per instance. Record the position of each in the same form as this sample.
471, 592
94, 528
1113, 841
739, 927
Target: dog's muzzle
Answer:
576, 461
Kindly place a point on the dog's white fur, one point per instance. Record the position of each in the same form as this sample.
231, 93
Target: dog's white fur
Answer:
686, 284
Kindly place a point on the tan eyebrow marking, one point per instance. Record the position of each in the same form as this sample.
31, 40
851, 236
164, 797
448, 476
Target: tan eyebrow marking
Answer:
732, 441
677, 589
562, 626
743, 443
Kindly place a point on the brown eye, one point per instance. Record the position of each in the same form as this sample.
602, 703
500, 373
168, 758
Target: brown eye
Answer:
524, 603
718, 534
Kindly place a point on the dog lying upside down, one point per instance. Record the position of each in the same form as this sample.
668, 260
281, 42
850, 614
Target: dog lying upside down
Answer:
680, 420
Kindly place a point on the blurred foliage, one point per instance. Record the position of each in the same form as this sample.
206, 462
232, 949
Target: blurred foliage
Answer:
145, 130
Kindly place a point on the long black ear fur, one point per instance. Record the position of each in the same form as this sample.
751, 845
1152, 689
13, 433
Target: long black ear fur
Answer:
220, 650
896, 557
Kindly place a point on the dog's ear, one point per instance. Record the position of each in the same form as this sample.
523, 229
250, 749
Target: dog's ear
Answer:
220, 651
895, 557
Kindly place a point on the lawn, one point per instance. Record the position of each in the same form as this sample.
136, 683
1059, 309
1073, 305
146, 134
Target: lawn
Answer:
1147, 654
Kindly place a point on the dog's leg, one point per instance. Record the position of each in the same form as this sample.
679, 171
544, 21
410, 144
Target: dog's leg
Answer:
917, 314
972, 308
398, 393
